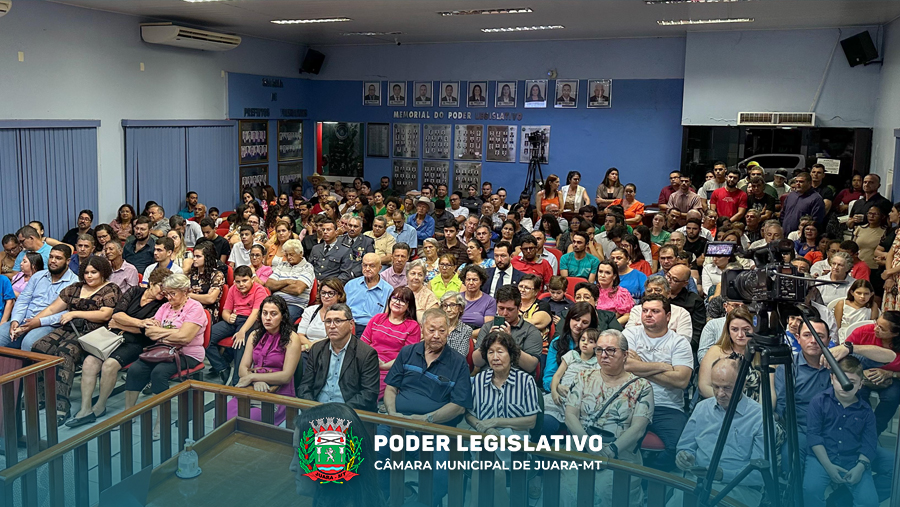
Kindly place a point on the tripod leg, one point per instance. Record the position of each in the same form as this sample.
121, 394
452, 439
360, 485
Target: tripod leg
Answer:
771, 444
790, 413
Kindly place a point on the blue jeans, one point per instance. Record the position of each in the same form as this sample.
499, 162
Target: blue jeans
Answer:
888, 398
23, 342
219, 332
816, 480
295, 312
441, 477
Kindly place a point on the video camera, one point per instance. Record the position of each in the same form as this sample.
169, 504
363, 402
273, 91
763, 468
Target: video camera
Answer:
537, 138
774, 280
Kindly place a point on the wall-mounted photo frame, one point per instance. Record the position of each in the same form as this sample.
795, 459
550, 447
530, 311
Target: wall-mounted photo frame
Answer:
340, 148
290, 140
449, 94
372, 93
397, 95
599, 93
477, 94
288, 174
566, 94
254, 143
536, 93
424, 94
505, 94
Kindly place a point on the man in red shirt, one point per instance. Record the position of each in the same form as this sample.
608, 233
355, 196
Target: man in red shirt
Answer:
730, 201
876, 344
530, 262
666, 192
860, 270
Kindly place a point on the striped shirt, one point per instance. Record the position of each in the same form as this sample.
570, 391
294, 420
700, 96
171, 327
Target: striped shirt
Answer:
517, 398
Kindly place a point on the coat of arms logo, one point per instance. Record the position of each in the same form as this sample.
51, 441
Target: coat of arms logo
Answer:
329, 452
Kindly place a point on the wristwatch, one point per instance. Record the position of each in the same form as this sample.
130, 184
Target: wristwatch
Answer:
849, 347
430, 418
615, 450
867, 465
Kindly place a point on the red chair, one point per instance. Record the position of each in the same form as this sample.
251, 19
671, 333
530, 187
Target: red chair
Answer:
140, 278
556, 253
222, 298
225, 214
572, 282
469, 355
193, 372
313, 292
229, 277
228, 342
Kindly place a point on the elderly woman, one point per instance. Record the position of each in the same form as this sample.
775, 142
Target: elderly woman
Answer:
415, 279
447, 279
180, 323
392, 330
622, 422
480, 307
275, 246
88, 304
123, 223
131, 316
293, 278
275, 355
533, 310
312, 325
460, 338
430, 248
840, 262
261, 272
205, 278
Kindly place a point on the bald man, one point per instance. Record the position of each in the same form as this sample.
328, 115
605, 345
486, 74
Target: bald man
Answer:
368, 294
679, 277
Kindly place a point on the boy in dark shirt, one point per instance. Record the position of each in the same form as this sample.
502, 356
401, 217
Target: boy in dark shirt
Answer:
558, 300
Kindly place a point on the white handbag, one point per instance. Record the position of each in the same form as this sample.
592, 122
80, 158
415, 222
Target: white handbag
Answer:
100, 342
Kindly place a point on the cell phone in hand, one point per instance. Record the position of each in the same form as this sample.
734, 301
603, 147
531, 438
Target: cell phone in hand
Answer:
499, 321
698, 470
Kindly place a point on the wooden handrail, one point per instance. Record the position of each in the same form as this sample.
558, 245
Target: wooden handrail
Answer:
43, 362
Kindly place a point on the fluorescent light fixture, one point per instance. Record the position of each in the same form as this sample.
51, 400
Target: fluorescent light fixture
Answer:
202, 1
522, 28
309, 21
680, 22
372, 34
656, 2
518, 10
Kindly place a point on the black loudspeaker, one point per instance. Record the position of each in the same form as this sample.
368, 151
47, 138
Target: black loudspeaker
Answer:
312, 62
859, 49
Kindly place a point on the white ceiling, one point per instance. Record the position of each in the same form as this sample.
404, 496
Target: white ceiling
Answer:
420, 23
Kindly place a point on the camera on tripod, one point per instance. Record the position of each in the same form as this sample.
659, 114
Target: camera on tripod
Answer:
536, 139
774, 280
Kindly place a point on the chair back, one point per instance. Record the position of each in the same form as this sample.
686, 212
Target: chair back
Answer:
208, 332
229, 276
222, 298
556, 253
572, 282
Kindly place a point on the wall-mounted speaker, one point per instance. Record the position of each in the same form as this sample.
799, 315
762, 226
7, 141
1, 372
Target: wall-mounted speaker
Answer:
859, 49
312, 62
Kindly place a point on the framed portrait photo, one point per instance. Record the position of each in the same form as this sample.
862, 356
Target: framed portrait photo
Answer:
599, 93
536, 93
372, 93
449, 94
566, 94
477, 94
423, 94
397, 90
505, 95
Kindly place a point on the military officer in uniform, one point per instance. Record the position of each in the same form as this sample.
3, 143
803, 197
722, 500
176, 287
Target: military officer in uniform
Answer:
357, 243
330, 258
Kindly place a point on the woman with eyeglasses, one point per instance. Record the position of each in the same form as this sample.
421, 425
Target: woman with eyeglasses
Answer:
392, 330
415, 279
535, 311
312, 324
259, 233
460, 338
447, 279
261, 272
430, 250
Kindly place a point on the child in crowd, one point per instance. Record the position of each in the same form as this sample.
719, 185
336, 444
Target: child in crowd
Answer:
573, 363
842, 439
213, 214
558, 300
859, 306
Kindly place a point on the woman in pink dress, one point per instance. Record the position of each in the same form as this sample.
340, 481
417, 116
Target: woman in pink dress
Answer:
392, 330
613, 297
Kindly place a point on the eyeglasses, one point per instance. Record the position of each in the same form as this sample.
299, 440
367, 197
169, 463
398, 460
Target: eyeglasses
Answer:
449, 306
611, 351
445, 265
335, 322
398, 299
327, 294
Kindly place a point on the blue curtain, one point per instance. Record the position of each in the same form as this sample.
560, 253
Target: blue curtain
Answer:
163, 163
50, 174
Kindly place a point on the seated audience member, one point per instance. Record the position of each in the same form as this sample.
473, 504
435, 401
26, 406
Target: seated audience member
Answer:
84, 248
43, 288
542, 252
369, 294
190, 230
138, 251
280, 235
477, 254
31, 241
612, 296
447, 278
840, 264
680, 322
524, 334
384, 242
392, 330
401, 231
502, 272
311, 328
659, 235
572, 364
848, 461
712, 330
240, 251
124, 222
395, 274
868, 236
822, 266
313, 235
480, 307
160, 224
668, 257
859, 270
327, 378
261, 272
578, 262
31, 264
460, 336
422, 221
634, 209
180, 322
531, 309
429, 382
678, 278
206, 279
180, 254
88, 305
131, 315
578, 319
732, 344
239, 316
860, 305
84, 221
666, 360
635, 247
162, 254
293, 278
557, 300
530, 262
220, 244
273, 358
11, 249
7, 299
452, 243
683, 201
625, 418
630, 279
745, 441
415, 276
330, 258
358, 243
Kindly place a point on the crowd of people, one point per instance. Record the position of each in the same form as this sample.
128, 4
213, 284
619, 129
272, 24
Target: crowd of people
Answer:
566, 313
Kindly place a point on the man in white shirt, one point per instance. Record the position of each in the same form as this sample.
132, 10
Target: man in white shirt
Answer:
459, 212
712, 185
823, 267
667, 361
190, 229
657, 285
240, 253
162, 254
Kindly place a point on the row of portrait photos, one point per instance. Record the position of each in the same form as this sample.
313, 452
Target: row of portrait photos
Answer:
506, 93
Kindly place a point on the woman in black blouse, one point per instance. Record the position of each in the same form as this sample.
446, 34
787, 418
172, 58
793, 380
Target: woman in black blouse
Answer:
206, 279
130, 316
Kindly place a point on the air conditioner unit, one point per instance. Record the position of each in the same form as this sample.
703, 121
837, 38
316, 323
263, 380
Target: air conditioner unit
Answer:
5, 6
771, 119
184, 37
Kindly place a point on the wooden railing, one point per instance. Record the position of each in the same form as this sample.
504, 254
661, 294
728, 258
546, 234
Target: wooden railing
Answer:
190, 398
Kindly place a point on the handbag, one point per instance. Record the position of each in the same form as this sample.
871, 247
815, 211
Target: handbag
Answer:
608, 436
100, 343
162, 353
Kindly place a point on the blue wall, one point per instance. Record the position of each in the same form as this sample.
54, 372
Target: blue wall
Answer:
640, 134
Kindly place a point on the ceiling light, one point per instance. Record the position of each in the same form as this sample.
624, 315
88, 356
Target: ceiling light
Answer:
704, 21
519, 10
654, 2
307, 21
199, 1
372, 34
522, 28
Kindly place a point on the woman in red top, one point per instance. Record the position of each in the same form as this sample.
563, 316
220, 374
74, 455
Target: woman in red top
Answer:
634, 209
392, 330
632, 247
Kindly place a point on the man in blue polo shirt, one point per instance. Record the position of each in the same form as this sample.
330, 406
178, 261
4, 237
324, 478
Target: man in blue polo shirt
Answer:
367, 295
31, 241
429, 382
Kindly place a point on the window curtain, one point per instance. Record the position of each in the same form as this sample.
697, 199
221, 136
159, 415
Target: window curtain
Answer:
212, 165
50, 174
